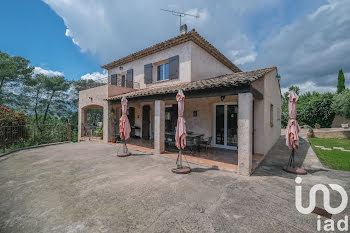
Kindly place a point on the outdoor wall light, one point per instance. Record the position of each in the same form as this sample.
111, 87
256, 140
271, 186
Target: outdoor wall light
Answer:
278, 77
222, 98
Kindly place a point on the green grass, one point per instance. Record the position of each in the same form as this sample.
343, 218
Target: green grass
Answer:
334, 159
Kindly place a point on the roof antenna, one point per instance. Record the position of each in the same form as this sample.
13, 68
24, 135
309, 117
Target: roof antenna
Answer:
180, 14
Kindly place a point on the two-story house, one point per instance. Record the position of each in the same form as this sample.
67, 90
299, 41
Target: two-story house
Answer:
238, 110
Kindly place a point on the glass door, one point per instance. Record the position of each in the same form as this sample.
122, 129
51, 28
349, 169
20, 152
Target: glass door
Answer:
226, 126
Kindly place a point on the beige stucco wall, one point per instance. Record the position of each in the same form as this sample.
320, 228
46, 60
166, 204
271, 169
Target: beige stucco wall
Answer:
184, 52
194, 64
272, 95
204, 65
96, 97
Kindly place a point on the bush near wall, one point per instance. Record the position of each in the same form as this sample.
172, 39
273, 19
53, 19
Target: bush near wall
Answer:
312, 108
12, 126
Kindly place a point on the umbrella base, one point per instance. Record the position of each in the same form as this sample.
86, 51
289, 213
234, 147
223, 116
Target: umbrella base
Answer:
294, 170
183, 170
123, 154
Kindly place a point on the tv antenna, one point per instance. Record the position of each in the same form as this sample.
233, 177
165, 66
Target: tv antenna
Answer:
180, 14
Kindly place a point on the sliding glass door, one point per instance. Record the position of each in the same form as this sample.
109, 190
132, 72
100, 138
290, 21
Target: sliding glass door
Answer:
225, 122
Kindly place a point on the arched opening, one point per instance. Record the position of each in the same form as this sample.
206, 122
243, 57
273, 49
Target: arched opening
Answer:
92, 121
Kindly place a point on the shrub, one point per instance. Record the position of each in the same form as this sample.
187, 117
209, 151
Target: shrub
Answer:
341, 103
12, 127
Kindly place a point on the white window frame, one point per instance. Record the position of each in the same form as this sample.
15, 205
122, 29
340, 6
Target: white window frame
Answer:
164, 77
225, 146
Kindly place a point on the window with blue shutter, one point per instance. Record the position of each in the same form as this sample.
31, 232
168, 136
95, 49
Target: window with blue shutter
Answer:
114, 79
148, 73
129, 79
174, 67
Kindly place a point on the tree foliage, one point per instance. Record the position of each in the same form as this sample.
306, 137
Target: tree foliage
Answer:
312, 108
13, 70
341, 81
341, 103
44, 92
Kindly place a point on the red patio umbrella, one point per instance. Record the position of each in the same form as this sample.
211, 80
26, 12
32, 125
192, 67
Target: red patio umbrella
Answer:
124, 128
292, 137
180, 135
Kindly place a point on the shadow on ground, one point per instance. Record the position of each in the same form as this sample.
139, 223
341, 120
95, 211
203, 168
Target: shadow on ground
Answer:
279, 155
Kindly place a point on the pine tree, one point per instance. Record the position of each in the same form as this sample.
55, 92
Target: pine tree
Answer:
341, 81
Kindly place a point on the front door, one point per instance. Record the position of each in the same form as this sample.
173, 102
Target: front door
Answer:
146, 121
225, 126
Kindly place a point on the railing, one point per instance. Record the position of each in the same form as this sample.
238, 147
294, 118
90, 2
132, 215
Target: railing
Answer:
125, 83
17, 137
92, 131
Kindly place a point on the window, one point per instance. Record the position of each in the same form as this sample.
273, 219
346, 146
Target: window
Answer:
123, 84
278, 114
271, 115
163, 72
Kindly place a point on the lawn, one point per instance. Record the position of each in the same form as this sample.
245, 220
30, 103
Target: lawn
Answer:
334, 159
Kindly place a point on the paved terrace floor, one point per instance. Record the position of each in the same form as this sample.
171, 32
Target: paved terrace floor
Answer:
84, 187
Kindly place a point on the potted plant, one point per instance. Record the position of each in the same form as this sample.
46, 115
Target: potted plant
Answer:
317, 126
345, 125
99, 132
310, 133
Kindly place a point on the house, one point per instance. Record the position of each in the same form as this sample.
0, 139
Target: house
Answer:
240, 111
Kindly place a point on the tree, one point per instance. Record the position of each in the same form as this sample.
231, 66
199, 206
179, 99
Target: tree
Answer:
44, 91
12, 71
341, 81
341, 103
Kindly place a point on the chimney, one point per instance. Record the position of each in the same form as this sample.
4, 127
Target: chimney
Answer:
183, 29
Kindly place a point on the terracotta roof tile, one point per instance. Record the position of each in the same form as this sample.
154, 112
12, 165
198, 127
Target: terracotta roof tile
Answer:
228, 80
189, 36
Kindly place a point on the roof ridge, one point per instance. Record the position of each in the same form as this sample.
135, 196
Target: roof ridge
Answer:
192, 35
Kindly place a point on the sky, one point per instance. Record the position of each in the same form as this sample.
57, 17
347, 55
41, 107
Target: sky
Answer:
308, 40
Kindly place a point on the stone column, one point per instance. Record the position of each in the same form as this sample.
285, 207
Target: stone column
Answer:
245, 133
159, 126
82, 115
107, 124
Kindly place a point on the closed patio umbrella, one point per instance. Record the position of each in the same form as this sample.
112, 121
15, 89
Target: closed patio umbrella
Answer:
180, 135
292, 134
124, 128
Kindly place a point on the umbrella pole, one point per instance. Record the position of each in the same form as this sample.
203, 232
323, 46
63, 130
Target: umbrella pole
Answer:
179, 165
126, 150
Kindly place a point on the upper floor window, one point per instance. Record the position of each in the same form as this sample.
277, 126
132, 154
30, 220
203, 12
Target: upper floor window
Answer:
163, 72
123, 81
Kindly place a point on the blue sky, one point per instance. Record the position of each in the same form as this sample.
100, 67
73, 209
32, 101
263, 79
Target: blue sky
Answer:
307, 40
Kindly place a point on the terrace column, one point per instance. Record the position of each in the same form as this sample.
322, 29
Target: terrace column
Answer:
82, 115
159, 126
245, 133
107, 125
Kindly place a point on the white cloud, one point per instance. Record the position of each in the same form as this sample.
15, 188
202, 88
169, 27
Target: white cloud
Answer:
240, 49
39, 70
69, 34
193, 21
310, 86
95, 76
312, 48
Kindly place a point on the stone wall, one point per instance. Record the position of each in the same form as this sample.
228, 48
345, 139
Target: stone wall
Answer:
341, 134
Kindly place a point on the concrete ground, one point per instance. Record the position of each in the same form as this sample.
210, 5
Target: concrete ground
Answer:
84, 187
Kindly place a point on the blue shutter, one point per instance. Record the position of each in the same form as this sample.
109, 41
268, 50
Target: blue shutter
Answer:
129, 78
148, 73
114, 79
174, 67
